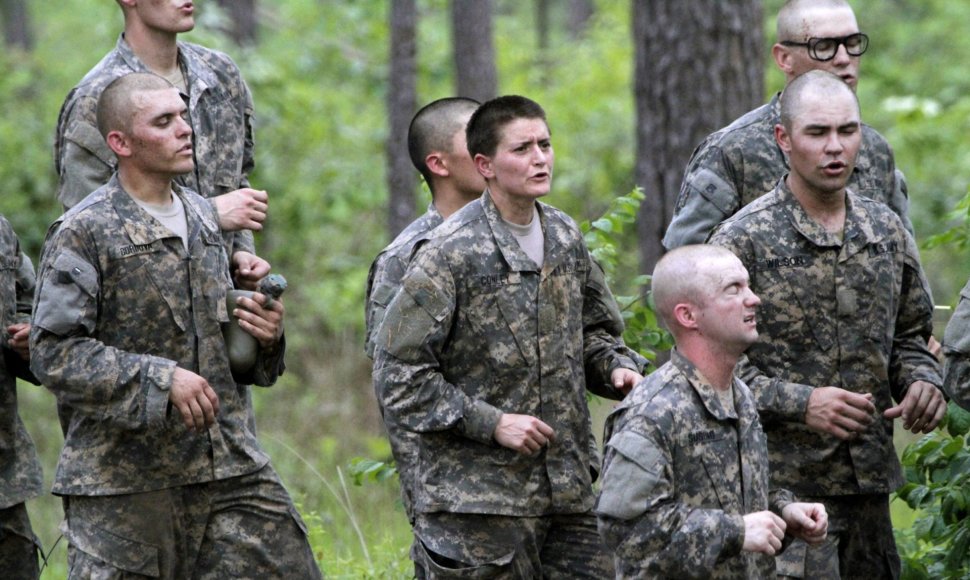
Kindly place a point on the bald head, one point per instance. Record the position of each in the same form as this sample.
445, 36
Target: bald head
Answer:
434, 127
796, 17
811, 87
688, 274
117, 107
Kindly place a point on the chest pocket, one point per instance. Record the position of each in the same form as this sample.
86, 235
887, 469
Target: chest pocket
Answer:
220, 139
716, 469
502, 312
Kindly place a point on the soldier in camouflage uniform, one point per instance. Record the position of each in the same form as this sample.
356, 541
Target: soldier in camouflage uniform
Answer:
846, 311
436, 143
502, 323
220, 112
741, 162
161, 470
685, 478
20, 474
956, 351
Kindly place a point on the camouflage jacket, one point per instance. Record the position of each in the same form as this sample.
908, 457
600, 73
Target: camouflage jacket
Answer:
854, 314
741, 162
20, 473
387, 270
476, 331
220, 112
956, 350
120, 303
679, 473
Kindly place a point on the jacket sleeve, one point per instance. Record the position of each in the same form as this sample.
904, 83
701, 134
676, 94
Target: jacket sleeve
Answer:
911, 360
66, 355
407, 371
603, 347
641, 520
956, 350
708, 196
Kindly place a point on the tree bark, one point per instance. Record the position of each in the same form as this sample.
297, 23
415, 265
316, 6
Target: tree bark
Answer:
699, 64
245, 22
17, 30
401, 104
580, 13
475, 73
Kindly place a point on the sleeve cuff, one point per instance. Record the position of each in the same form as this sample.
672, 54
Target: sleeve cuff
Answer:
480, 421
733, 535
157, 373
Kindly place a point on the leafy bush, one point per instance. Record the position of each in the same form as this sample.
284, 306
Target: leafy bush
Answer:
937, 469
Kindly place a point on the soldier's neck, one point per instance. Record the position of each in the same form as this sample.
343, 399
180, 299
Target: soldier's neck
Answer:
148, 188
158, 50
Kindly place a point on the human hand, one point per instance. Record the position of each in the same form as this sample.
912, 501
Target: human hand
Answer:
264, 323
807, 521
523, 433
935, 348
248, 269
624, 379
194, 398
839, 412
242, 209
763, 532
922, 408
19, 339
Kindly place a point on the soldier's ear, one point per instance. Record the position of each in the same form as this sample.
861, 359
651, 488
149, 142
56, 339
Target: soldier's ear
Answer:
436, 164
484, 165
783, 138
684, 315
119, 143
783, 57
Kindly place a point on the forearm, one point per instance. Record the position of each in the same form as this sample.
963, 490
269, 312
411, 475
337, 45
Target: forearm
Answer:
87, 375
775, 398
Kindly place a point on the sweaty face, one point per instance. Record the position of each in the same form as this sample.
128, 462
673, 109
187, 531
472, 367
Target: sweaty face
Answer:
823, 142
168, 16
824, 23
521, 167
728, 317
161, 138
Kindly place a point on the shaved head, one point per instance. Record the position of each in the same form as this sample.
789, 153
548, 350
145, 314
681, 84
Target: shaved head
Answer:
116, 106
686, 274
793, 19
813, 83
433, 129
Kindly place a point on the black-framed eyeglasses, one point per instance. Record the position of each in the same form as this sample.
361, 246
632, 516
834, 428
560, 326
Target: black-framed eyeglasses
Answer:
823, 49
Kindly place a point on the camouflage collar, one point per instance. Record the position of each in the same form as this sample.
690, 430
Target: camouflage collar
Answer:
704, 389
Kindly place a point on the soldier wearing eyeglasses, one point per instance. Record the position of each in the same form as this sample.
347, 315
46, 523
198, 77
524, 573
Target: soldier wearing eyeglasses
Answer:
741, 162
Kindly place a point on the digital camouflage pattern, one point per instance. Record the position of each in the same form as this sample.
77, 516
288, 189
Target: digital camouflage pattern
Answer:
120, 303
20, 473
742, 162
512, 547
387, 271
854, 314
956, 350
220, 113
679, 473
241, 527
477, 331
383, 282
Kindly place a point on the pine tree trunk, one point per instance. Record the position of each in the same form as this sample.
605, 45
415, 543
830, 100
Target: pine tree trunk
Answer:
401, 105
475, 73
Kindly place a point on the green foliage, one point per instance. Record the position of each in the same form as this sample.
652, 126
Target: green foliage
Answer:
643, 332
937, 469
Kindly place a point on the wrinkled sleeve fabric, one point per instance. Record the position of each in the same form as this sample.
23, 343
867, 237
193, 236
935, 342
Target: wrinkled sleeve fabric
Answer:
707, 197
84, 373
603, 347
956, 350
408, 368
642, 522
911, 360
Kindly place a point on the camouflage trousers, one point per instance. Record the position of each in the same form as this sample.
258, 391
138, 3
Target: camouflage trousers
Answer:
18, 545
859, 546
242, 527
450, 545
